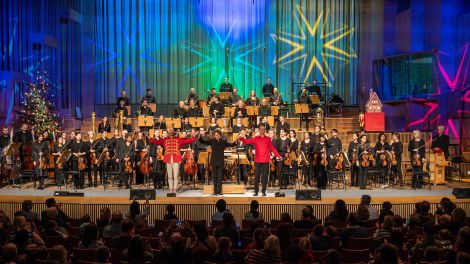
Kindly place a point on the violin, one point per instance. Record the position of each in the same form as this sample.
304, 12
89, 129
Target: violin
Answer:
42, 162
93, 158
324, 160
393, 158
365, 158
339, 161
251, 158
383, 159
128, 167
272, 165
81, 163
287, 160
160, 153
190, 166
144, 163
416, 160
354, 156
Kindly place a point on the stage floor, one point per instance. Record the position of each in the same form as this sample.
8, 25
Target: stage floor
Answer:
187, 195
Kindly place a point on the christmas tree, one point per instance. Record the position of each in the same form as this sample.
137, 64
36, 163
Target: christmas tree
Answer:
38, 106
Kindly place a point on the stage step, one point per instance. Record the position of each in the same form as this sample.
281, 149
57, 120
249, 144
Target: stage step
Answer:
226, 189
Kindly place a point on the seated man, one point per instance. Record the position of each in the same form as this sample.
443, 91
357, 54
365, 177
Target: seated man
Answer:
193, 110
180, 111
307, 221
265, 108
144, 109
234, 98
217, 108
160, 124
352, 230
192, 96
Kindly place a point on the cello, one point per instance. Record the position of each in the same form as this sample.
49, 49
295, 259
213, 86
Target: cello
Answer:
339, 161
144, 163
190, 166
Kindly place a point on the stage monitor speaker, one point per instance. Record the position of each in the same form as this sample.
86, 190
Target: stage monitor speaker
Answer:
142, 194
461, 193
305, 195
69, 194
171, 195
279, 194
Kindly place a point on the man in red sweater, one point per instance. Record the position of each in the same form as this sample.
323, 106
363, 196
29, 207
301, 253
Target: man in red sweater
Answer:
263, 147
172, 157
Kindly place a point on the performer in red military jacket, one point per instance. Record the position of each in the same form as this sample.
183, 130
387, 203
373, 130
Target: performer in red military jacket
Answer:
263, 147
172, 157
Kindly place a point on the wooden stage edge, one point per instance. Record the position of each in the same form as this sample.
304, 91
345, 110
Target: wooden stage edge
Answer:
376, 199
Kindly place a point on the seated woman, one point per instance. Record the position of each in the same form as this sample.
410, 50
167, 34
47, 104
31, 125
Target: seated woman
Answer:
138, 251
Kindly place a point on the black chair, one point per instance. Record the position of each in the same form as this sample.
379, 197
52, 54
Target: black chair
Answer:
336, 177
373, 177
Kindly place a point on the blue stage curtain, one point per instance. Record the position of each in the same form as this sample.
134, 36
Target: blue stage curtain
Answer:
170, 46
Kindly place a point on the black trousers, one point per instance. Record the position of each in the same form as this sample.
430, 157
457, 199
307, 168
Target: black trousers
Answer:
159, 171
59, 176
78, 180
283, 180
322, 177
308, 173
363, 173
41, 175
92, 169
261, 171
417, 181
217, 177
354, 175
397, 173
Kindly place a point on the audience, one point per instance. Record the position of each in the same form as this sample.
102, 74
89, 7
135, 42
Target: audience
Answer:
422, 215
114, 228
385, 229
223, 254
221, 206
387, 254
121, 241
90, 237
259, 235
458, 219
340, 212
57, 255
170, 213
176, 251
446, 206
320, 240
201, 243
27, 211
428, 240
352, 230
103, 255
304, 244
271, 253
50, 230
139, 218
105, 218
364, 217
253, 214
386, 210
9, 254
137, 251
59, 216
365, 201
284, 233
228, 229
307, 220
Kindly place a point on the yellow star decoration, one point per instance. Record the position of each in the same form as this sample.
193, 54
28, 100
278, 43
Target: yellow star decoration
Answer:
299, 45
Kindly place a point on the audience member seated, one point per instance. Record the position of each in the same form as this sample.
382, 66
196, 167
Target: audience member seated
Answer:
139, 218
52, 214
50, 230
397, 239
307, 220
422, 215
201, 244
386, 210
428, 240
221, 206
259, 235
462, 245
331, 230
286, 218
114, 228
458, 219
320, 240
293, 254
271, 253
27, 211
137, 252
103, 255
284, 234
443, 222
339, 213
254, 214
445, 237
398, 221
446, 206
365, 201
304, 244
26, 240
228, 229
332, 257
90, 237
223, 254
121, 241
84, 221
105, 218
363, 217
175, 251
170, 213
388, 254
57, 254
352, 230
9, 254
61, 218
385, 229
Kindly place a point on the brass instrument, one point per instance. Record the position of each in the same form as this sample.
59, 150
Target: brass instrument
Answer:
213, 98
121, 120
93, 118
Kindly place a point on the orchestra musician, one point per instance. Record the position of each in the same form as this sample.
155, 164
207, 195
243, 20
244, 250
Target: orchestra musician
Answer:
160, 124
193, 109
294, 146
268, 88
315, 89
212, 95
91, 146
217, 108
104, 125
334, 147
199, 147
238, 126
304, 99
116, 142
263, 147
396, 149
240, 110
124, 98
78, 151
218, 146
186, 126
353, 157
243, 149
322, 150
144, 109
264, 122
23, 137
56, 152
122, 107
39, 154
441, 141
363, 149
315, 137
192, 96
156, 158
418, 157
380, 149
282, 124
265, 108
4, 140
47, 138
306, 154
180, 111
213, 126
149, 96
252, 100
140, 146
226, 86
172, 157
276, 98
126, 154
102, 146
282, 145
234, 98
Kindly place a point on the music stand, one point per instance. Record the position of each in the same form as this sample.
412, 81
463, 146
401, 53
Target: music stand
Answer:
203, 159
234, 136
173, 122
270, 120
128, 110
196, 122
153, 107
252, 110
145, 121
222, 122
246, 121
206, 111
274, 110
224, 95
314, 99
229, 111
301, 109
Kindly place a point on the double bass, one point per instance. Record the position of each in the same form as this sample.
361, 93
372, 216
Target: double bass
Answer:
190, 166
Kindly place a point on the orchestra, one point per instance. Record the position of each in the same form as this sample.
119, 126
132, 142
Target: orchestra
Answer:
273, 152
